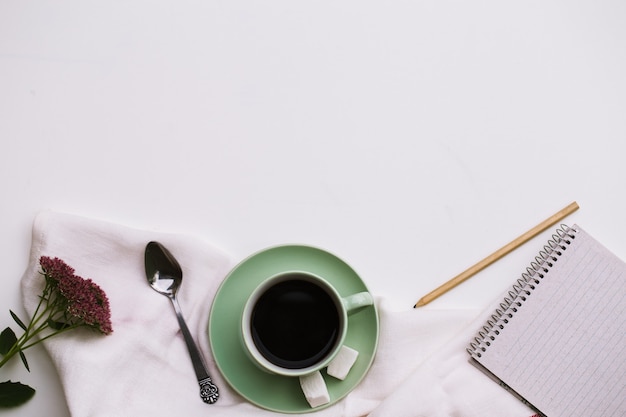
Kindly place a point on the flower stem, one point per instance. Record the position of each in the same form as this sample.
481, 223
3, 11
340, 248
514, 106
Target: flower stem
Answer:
34, 327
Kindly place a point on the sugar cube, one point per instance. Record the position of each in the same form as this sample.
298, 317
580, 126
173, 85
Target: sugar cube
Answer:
314, 389
342, 363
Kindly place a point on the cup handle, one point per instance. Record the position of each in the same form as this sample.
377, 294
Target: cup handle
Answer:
356, 301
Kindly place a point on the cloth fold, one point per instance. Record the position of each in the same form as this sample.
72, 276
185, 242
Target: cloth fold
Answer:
143, 368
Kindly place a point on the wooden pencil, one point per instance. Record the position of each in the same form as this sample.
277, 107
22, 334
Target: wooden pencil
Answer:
442, 289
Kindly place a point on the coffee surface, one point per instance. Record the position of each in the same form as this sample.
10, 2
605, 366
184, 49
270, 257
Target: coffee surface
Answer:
295, 324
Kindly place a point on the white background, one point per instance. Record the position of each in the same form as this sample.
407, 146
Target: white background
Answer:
411, 138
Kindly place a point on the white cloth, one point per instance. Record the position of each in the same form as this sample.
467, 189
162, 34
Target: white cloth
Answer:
143, 368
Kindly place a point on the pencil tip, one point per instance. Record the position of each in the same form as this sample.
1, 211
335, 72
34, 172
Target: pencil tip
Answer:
419, 303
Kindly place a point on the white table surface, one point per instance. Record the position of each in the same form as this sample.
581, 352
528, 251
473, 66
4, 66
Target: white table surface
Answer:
411, 138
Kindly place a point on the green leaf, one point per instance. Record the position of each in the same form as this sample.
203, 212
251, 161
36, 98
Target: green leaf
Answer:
7, 340
13, 394
17, 320
24, 361
57, 325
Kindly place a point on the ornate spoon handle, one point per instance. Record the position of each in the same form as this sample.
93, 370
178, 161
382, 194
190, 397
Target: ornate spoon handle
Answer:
208, 390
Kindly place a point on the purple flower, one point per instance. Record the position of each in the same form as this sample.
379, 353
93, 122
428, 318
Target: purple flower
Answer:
66, 302
55, 269
83, 302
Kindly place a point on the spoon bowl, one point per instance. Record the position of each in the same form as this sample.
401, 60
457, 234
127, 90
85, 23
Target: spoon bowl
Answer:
162, 270
165, 276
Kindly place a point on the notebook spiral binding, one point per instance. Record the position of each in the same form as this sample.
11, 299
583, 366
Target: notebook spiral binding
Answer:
522, 289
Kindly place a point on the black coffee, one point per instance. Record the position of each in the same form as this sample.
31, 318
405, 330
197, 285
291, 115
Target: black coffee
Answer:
295, 324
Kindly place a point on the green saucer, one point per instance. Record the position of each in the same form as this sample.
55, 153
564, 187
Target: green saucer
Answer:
273, 392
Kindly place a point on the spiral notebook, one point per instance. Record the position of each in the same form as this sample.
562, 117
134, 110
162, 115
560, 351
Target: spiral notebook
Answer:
557, 340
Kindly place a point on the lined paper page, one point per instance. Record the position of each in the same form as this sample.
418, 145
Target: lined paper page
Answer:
564, 351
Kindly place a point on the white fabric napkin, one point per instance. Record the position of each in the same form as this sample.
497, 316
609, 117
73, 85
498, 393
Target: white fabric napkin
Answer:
143, 368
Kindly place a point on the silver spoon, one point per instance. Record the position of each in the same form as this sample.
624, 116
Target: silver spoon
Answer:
165, 276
